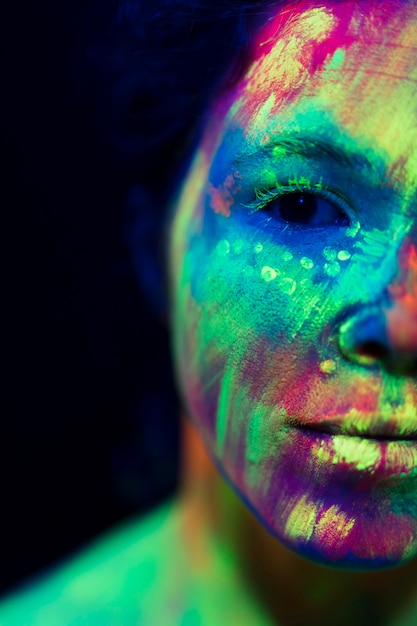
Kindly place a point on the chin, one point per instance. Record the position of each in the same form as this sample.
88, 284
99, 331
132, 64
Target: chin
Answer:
338, 514
365, 526
364, 555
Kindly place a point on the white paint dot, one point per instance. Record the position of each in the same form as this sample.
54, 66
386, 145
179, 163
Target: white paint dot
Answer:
343, 255
258, 248
306, 263
287, 286
287, 256
268, 273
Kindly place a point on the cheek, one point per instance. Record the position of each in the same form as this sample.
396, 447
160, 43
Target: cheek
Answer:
255, 346
254, 316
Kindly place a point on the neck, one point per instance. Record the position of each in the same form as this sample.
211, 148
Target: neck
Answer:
293, 590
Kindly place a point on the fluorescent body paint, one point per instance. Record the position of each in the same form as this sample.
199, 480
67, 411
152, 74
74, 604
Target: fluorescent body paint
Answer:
276, 318
140, 574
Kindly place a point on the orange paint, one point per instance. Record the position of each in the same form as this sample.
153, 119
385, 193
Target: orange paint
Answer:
222, 197
402, 317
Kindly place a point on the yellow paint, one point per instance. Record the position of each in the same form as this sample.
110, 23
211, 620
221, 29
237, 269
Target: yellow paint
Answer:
327, 367
268, 273
287, 256
343, 255
306, 263
333, 526
302, 520
362, 453
287, 285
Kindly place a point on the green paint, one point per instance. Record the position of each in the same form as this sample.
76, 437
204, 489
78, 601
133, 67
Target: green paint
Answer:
332, 269
287, 256
329, 253
258, 447
287, 285
223, 247
141, 573
223, 410
337, 61
306, 263
269, 273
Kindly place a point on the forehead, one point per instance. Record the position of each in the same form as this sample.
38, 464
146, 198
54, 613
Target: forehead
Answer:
350, 66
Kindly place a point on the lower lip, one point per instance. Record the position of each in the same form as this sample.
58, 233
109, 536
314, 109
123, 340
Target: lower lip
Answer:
379, 459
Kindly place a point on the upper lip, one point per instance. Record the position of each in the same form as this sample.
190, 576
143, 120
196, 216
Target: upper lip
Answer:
377, 428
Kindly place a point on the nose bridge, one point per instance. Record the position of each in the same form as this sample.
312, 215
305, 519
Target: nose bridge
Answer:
401, 313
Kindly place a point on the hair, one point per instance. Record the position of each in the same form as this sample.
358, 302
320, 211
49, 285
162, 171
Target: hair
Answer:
160, 66
151, 77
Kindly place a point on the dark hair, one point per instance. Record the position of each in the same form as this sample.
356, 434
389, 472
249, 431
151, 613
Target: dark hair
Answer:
154, 66
162, 63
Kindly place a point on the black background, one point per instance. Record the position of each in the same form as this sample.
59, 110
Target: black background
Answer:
87, 437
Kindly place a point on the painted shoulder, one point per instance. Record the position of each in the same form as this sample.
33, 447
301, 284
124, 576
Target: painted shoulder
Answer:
114, 581
139, 574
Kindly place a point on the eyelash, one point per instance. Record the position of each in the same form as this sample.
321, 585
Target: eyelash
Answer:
267, 196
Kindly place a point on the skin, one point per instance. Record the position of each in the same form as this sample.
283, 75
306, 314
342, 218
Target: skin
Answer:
295, 339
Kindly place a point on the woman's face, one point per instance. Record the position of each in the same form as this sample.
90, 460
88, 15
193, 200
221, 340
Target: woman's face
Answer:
294, 281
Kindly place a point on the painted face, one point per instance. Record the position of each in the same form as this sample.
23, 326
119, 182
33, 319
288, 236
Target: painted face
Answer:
294, 282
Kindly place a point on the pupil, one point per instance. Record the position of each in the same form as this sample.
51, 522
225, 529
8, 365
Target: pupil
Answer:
298, 207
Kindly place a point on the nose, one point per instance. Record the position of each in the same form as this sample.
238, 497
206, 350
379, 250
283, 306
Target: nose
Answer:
384, 333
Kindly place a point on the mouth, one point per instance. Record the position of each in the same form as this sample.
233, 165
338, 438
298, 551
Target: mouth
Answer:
377, 455
376, 428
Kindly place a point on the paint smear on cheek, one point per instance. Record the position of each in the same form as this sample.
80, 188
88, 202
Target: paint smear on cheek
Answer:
328, 526
402, 316
223, 196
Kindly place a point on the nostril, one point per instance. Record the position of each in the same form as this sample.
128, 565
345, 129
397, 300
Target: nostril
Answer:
372, 351
363, 339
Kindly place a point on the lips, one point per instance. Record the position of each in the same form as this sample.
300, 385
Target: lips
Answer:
359, 446
356, 461
372, 427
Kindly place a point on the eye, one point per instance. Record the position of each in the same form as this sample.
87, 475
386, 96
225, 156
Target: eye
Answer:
301, 206
305, 208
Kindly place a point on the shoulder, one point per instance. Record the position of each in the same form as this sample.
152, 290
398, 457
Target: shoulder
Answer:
114, 580
146, 572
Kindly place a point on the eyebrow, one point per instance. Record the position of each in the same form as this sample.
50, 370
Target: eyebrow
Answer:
319, 149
